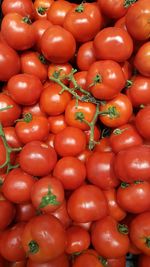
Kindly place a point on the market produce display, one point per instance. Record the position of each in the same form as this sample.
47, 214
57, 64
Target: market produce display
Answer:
74, 133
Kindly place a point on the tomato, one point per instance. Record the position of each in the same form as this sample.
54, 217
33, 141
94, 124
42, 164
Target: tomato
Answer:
58, 11
37, 158
100, 172
138, 192
17, 31
142, 60
80, 77
8, 116
84, 155
44, 238
52, 102
133, 164
23, 7
17, 186
85, 56
9, 62
105, 79
116, 112
62, 69
41, 8
142, 122
137, 20
83, 21
124, 137
114, 243
140, 232
11, 137
91, 202
21, 88
120, 23
70, 142
87, 109
144, 261
97, 133
115, 209
33, 109
54, 38
39, 27
127, 69
70, 171
47, 194
31, 63
121, 262
10, 246
32, 128
104, 145
24, 212
57, 123
61, 261
62, 215
139, 90
50, 140
7, 212
87, 259
17, 264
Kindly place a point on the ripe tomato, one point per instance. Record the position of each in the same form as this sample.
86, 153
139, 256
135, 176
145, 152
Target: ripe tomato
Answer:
120, 23
80, 77
133, 164
7, 212
47, 194
62, 69
142, 122
84, 155
50, 140
70, 142
11, 247
109, 238
105, 79
137, 20
144, 261
127, 69
44, 238
52, 102
91, 202
17, 31
121, 262
37, 158
85, 56
41, 8
21, 88
54, 38
35, 110
142, 60
62, 215
113, 39
61, 261
9, 62
103, 146
100, 172
116, 112
57, 123
87, 259
23, 7
24, 212
70, 171
17, 264
11, 137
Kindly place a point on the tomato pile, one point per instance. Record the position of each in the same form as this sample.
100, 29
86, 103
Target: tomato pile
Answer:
74, 133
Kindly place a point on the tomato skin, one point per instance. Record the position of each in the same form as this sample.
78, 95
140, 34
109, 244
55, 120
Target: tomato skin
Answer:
85, 24
42, 4
142, 60
144, 261
133, 164
87, 258
139, 232
114, 244
103, 146
124, 137
17, 264
54, 38
49, 235
112, 9
121, 262
11, 137
7, 212
80, 77
24, 212
21, 88
22, 7
62, 215
111, 79
70, 171
17, 186
61, 261
57, 123
37, 158
90, 200
120, 23
137, 20
17, 33
127, 69
10, 246
9, 62
70, 142
84, 155
88, 110
142, 121
85, 56
50, 140
52, 102
7, 117
64, 69
58, 11
35, 130
116, 40
34, 109
100, 172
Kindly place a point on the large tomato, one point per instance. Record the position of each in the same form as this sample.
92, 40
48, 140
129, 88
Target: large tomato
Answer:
142, 60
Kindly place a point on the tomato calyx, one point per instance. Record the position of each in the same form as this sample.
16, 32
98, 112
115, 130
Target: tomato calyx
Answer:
48, 199
42, 10
124, 185
128, 84
43, 59
103, 261
80, 8
111, 112
119, 131
123, 229
33, 247
27, 20
128, 3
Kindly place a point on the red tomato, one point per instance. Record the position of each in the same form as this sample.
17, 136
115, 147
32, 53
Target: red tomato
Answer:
11, 137
58, 11
84, 155
23, 7
62, 69
24, 212
87, 259
9, 62
80, 77
85, 56
103, 146
57, 123
70, 171
21, 87
44, 238
17, 264
144, 261
120, 23
41, 8
7, 212
50, 140
116, 40
37, 158
54, 38
33, 109
121, 262
91, 202
61, 261
18, 31
142, 60
97, 133
142, 122
62, 215
105, 79
109, 238
100, 172
127, 69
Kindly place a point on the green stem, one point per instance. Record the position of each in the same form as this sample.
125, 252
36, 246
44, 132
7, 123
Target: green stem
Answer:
103, 261
111, 111
123, 229
119, 131
128, 3
48, 199
33, 247
26, 118
6, 108
79, 8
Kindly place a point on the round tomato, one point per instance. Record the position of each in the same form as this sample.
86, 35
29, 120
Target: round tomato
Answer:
87, 259
41, 8
142, 60
85, 56
11, 137
61, 261
33, 109
121, 262
24, 212
120, 23
62, 215
23, 7
142, 122
7, 212
62, 69
57, 123
84, 155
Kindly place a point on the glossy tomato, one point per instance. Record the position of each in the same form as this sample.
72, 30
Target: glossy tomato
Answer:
85, 56
22, 7
61, 261
57, 123
7, 212
41, 8
142, 60
142, 122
